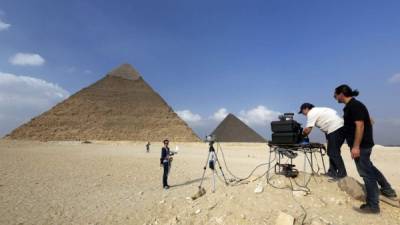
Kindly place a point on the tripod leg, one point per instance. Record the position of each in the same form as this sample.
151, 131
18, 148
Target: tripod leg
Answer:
220, 168
305, 167
312, 163
269, 162
204, 170
213, 181
322, 158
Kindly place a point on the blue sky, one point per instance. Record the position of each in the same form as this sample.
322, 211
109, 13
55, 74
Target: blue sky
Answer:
253, 58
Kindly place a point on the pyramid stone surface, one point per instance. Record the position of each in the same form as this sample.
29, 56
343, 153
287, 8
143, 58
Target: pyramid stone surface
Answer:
125, 71
232, 129
120, 106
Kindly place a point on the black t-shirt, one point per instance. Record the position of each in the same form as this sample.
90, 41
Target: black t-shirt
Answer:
356, 111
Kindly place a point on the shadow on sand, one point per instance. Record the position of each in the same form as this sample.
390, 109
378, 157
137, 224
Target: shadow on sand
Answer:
188, 182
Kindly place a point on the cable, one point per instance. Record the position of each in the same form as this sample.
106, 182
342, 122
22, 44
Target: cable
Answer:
298, 203
238, 179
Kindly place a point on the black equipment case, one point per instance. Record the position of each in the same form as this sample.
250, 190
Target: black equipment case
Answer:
285, 126
285, 138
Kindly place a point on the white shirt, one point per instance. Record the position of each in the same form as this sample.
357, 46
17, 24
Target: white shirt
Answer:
325, 119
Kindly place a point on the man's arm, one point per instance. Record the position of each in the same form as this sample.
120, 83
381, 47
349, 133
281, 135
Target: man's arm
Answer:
307, 131
355, 150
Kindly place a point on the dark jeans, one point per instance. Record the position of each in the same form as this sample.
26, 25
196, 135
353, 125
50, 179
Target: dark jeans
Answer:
371, 176
336, 164
166, 166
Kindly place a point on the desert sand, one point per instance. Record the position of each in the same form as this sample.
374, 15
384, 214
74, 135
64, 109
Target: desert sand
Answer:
119, 183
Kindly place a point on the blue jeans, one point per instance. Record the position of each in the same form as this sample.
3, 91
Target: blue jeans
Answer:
371, 176
166, 166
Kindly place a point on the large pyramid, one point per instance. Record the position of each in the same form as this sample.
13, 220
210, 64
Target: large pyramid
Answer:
232, 129
120, 106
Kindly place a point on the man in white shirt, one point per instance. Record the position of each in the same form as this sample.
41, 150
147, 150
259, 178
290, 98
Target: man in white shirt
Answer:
329, 122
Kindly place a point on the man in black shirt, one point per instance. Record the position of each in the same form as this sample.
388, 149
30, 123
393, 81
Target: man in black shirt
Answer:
359, 137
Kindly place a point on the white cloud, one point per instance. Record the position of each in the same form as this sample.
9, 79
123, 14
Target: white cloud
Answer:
220, 114
23, 97
4, 25
188, 116
258, 116
395, 78
27, 59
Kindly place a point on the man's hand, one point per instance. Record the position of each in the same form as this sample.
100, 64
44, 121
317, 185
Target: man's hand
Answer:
355, 152
307, 131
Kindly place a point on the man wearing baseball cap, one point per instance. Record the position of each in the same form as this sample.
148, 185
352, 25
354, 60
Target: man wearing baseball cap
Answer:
329, 122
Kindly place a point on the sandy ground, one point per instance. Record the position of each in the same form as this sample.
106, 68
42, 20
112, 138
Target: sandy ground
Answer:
118, 183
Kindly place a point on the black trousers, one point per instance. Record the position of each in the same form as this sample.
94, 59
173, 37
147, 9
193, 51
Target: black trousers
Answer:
166, 166
371, 176
335, 142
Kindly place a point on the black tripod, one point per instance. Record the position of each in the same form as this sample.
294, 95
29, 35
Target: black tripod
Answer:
212, 159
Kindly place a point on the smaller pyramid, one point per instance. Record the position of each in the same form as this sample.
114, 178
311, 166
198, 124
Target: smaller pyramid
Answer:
232, 129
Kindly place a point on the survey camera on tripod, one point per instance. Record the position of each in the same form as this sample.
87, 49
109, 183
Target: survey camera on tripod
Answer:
211, 138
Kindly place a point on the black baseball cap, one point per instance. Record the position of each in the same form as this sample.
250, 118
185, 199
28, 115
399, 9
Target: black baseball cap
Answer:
305, 106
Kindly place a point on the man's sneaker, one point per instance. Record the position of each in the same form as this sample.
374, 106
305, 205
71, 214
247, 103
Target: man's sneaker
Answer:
390, 193
367, 209
166, 187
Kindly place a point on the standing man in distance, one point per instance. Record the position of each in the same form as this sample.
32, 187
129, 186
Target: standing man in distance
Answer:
359, 137
165, 162
328, 121
148, 147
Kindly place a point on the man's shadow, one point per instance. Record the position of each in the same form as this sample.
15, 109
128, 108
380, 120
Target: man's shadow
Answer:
188, 182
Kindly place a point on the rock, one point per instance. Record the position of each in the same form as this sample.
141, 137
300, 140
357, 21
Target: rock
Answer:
162, 202
340, 202
299, 193
174, 220
197, 211
243, 216
324, 221
317, 221
140, 193
199, 193
284, 219
212, 206
219, 220
352, 187
259, 189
